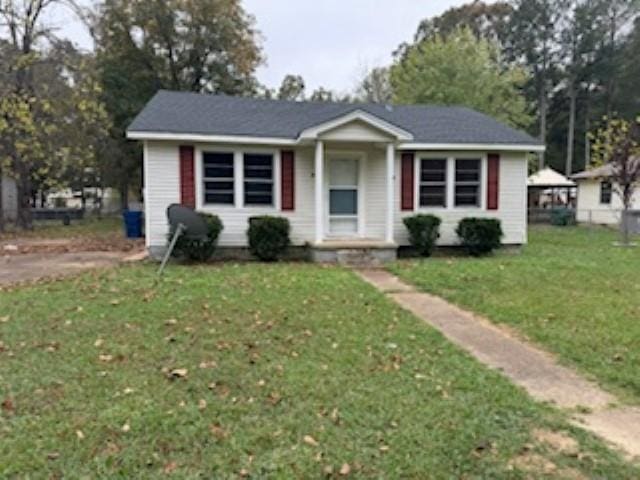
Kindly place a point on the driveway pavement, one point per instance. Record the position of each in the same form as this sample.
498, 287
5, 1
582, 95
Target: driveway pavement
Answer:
35, 266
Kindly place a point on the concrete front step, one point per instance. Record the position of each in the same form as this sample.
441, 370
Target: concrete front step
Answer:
357, 257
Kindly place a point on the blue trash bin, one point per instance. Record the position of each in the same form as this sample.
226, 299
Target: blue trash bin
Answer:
132, 223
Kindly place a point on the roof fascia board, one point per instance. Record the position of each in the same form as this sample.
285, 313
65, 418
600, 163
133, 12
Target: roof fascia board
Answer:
497, 147
314, 132
189, 137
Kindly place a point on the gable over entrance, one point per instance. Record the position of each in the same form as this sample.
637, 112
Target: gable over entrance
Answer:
356, 126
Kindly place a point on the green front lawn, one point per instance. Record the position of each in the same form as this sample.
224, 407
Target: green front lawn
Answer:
570, 291
262, 371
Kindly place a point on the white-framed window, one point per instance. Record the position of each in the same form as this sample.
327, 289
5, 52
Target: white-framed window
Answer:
433, 182
258, 179
606, 191
468, 173
218, 178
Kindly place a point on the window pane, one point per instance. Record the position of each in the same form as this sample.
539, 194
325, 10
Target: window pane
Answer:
433, 196
258, 174
218, 198
467, 195
211, 186
433, 182
254, 160
218, 177
605, 192
258, 166
218, 172
253, 199
433, 170
255, 187
343, 173
343, 202
467, 170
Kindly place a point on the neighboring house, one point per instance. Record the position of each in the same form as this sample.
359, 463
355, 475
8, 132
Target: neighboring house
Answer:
9, 199
597, 201
345, 175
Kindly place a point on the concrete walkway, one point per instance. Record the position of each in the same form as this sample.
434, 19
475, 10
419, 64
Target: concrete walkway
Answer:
525, 365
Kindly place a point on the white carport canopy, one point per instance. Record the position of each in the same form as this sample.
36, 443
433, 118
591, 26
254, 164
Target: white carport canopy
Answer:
549, 178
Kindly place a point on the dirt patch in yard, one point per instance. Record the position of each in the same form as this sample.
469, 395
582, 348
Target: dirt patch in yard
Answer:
109, 242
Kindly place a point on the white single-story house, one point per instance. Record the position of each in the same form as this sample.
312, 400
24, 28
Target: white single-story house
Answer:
345, 175
597, 201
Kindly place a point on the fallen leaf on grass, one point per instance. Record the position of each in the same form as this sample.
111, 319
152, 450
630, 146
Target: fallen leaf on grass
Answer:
53, 455
309, 440
80, 434
126, 427
169, 467
345, 469
202, 404
217, 431
4, 319
208, 364
105, 358
98, 343
178, 373
7, 405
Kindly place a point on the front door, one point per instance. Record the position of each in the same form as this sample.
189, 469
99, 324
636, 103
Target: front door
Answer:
343, 197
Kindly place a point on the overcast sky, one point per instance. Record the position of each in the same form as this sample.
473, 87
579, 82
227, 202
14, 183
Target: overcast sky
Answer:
328, 42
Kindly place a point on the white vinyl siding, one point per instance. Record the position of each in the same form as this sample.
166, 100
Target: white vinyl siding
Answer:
162, 187
511, 207
590, 209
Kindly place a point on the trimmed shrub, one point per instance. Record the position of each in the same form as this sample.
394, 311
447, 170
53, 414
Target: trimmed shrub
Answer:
480, 236
199, 250
268, 237
424, 231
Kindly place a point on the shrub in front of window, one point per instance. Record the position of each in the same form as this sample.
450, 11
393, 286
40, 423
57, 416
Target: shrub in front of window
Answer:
199, 250
480, 236
424, 231
268, 237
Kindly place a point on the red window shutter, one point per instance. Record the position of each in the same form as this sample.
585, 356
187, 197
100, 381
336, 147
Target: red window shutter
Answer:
407, 181
187, 177
287, 184
493, 181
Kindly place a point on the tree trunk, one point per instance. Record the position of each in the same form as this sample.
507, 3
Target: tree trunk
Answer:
587, 141
543, 125
1, 203
23, 182
572, 129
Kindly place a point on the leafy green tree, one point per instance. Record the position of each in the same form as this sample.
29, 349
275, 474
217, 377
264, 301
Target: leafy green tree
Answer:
534, 44
461, 69
292, 88
486, 20
49, 112
375, 87
146, 45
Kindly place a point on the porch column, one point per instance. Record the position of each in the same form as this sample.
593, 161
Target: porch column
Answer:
319, 188
391, 154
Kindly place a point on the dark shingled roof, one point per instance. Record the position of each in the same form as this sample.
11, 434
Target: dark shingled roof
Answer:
193, 113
